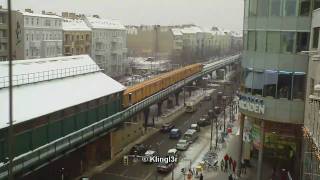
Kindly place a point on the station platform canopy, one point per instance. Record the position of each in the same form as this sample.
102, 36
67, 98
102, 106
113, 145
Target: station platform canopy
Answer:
47, 85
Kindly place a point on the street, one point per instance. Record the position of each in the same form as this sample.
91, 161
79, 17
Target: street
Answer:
161, 143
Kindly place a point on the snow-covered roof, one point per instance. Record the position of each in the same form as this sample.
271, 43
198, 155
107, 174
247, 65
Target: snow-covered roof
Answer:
74, 25
176, 32
41, 15
97, 23
191, 30
37, 99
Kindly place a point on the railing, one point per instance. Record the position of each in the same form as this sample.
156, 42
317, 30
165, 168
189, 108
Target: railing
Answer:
21, 79
68, 142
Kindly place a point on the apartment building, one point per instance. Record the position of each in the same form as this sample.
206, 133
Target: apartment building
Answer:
42, 35
77, 37
17, 35
311, 129
109, 44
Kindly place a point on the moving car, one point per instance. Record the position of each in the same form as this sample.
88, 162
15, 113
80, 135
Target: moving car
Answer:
165, 167
150, 153
166, 127
138, 149
195, 127
203, 121
175, 134
182, 144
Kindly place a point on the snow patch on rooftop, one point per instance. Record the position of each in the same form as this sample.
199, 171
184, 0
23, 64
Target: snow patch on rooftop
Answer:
74, 25
105, 23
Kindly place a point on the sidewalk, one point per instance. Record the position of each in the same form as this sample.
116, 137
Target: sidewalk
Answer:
232, 149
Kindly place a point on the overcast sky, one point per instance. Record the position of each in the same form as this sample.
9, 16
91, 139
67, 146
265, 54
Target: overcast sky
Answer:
227, 14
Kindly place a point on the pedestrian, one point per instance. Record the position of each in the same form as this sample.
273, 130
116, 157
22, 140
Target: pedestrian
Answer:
243, 169
226, 159
230, 177
189, 175
234, 166
222, 165
230, 163
201, 176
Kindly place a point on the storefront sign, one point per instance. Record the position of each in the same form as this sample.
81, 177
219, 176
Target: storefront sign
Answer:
251, 104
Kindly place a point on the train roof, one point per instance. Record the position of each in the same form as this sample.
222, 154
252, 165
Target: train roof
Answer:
46, 91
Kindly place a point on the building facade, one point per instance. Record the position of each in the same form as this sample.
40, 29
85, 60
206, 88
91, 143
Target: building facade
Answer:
109, 44
77, 37
272, 92
42, 35
311, 129
17, 35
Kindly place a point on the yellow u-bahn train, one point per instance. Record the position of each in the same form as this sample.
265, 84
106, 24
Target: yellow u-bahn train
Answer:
138, 92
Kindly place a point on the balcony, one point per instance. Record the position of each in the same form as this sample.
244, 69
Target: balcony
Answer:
116, 39
3, 39
34, 44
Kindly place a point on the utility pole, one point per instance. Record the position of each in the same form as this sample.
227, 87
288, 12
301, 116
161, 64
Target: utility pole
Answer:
10, 133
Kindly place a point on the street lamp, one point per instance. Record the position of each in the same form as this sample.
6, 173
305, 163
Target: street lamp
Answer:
216, 111
224, 99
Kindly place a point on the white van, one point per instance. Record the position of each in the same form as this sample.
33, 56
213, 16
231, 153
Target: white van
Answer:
190, 135
191, 106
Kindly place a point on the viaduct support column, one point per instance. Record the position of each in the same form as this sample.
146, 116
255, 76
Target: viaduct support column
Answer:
260, 159
146, 117
160, 108
176, 96
242, 118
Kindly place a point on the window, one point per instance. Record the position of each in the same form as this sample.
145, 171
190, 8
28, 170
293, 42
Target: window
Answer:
263, 7
261, 41
251, 40
316, 4
274, 7
287, 41
253, 8
302, 41
298, 85
270, 83
257, 84
315, 39
37, 21
248, 79
304, 8
290, 7
27, 52
273, 42
27, 20
311, 86
31, 21
284, 84
2, 19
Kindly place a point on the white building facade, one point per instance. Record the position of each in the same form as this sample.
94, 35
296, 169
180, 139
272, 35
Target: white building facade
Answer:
109, 45
42, 35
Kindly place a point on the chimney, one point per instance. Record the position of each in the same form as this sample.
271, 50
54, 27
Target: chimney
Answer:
28, 10
96, 16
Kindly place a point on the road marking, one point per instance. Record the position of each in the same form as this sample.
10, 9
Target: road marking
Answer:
128, 177
148, 176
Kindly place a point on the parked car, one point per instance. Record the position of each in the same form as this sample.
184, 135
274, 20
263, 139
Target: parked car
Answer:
138, 149
182, 144
175, 133
190, 135
191, 106
195, 127
166, 127
173, 152
203, 122
165, 167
